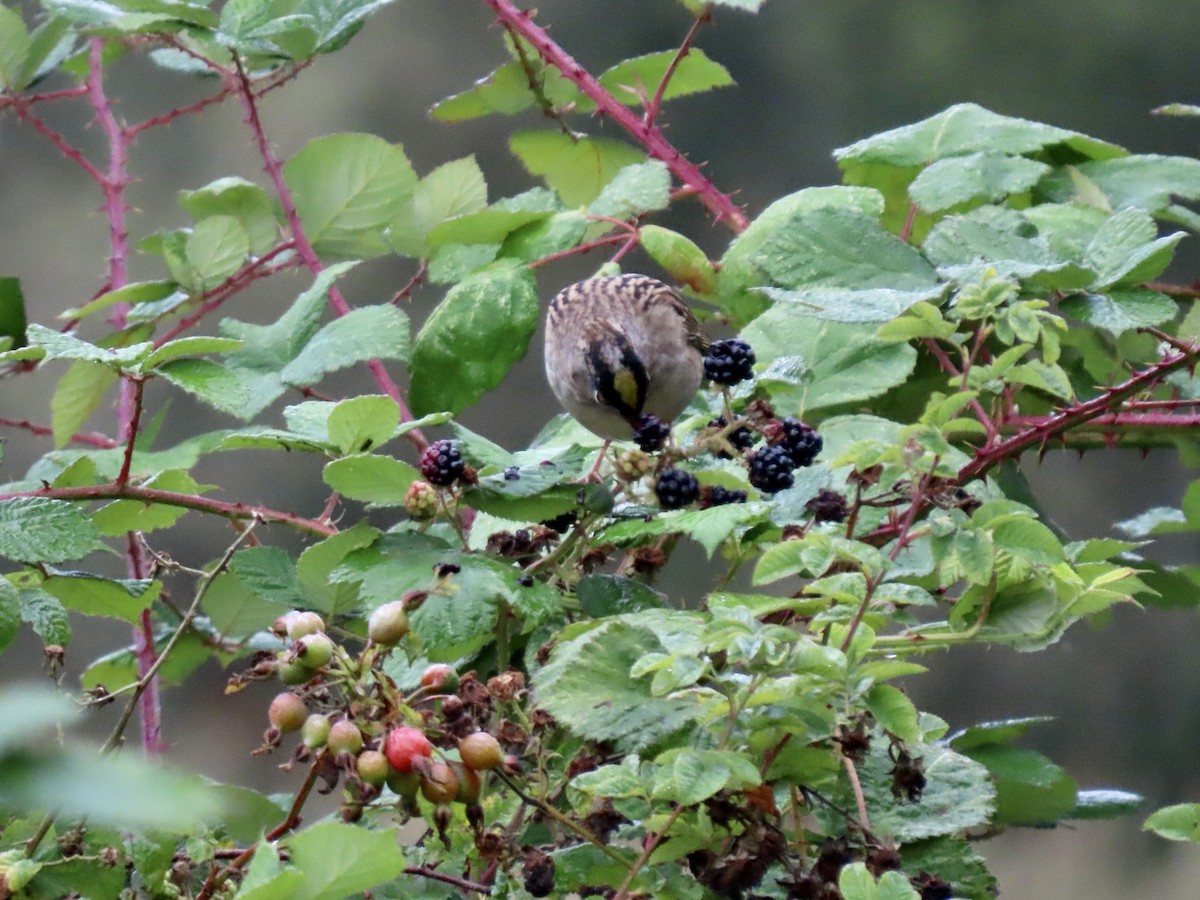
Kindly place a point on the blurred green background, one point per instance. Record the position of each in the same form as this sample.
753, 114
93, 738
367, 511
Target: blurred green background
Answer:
812, 76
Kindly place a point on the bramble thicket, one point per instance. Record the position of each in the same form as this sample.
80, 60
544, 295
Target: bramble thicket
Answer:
468, 644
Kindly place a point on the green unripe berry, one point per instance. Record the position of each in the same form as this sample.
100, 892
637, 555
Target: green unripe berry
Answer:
296, 624
470, 786
287, 712
440, 677
420, 500
405, 784
372, 767
315, 650
315, 731
292, 672
480, 751
440, 784
344, 737
388, 623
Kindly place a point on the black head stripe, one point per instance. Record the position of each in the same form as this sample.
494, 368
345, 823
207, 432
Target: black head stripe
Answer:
620, 382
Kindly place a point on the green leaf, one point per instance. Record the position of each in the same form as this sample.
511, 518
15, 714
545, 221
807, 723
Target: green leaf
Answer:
338, 860
953, 860
363, 423
708, 527
611, 595
95, 596
1180, 822
318, 561
348, 188
37, 529
504, 91
1126, 251
1147, 181
380, 480
1003, 731
587, 687
188, 346
47, 616
633, 81
1119, 311
849, 305
209, 382
215, 249
237, 611
77, 395
486, 226
1105, 804
692, 777
469, 343
267, 349
894, 712
270, 573
60, 345
634, 190
985, 176
14, 50
962, 129
576, 167
453, 189
10, 613
12, 301
845, 362
245, 201
369, 332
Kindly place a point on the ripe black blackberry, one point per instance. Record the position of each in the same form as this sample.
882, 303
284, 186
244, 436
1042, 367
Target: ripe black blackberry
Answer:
770, 469
442, 463
728, 362
651, 433
719, 495
741, 438
676, 488
801, 441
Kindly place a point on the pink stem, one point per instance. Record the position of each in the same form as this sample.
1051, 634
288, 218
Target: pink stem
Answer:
90, 439
645, 133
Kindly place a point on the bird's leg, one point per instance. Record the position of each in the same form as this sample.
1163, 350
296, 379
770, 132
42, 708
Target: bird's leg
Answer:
593, 476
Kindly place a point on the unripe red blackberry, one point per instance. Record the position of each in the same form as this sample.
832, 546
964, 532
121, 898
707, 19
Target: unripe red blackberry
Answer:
442, 463
420, 500
287, 712
372, 767
676, 488
344, 737
770, 469
315, 731
388, 623
480, 751
439, 784
729, 362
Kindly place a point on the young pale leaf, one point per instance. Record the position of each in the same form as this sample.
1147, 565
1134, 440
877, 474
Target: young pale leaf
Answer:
188, 346
486, 226
985, 176
241, 199
77, 395
37, 529
1180, 822
577, 168
468, 344
894, 712
348, 188
453, 189
215, 249
363, 423
14, 50
379, 480
369, 332
504, 91
122, 516
634, 81
338, 860
634, 190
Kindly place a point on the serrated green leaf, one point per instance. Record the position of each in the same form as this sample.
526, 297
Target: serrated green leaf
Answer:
894, 712
1180, 822
1122, 310
1003, 731
14, 50
10, 613
316, 562
380, 480
95, 596
1125, 249
338, 860
210, 382
237, 611
611, 595
12, 306
270, 573
77, 395
188, 346
245, 201
577, 168
486, 226
634, 81
363, 423
37, 529
46, 615
369, 332
348, 189
985, 176
215, 249
587, 687
60, 345
848, 305
469, 343
708, 527
453, 189
682, 259
636, 189
1147, 181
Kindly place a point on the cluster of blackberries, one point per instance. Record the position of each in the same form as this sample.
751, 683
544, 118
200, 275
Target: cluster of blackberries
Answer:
651, 433
442, 463
791, 445
676, 488
741, 438
728, 362
718, 495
